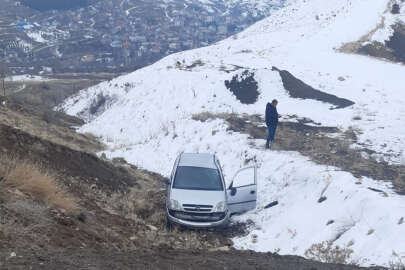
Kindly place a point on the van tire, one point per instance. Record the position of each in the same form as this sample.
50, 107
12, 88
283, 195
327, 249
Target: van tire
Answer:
169, 224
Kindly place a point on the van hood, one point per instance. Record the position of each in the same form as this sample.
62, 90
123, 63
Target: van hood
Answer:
201, 197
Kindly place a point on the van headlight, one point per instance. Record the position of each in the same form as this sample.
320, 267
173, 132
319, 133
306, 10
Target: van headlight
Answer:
220, 207
174, 205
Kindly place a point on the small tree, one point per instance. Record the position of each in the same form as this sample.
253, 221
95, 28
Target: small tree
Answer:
3, 75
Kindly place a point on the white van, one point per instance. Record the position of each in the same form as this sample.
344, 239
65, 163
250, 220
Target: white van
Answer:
197, 194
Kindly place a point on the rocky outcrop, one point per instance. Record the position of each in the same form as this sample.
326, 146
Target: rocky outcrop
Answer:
244, 87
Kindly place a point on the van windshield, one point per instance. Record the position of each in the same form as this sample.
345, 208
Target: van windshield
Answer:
196, 178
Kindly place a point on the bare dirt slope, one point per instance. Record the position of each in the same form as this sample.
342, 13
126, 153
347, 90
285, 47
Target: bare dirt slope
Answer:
163, 258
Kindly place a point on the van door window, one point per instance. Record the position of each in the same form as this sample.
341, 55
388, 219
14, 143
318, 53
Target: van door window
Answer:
242, 193
244, 178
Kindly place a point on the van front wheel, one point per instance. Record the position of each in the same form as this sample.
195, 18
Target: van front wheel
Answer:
169, 224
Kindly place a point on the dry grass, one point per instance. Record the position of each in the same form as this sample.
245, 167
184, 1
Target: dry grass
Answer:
40, 184
32, 219
398, 263
205, 116
328, 253
399, 180
138, 204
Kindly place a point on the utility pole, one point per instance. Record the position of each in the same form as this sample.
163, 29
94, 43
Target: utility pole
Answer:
3, 75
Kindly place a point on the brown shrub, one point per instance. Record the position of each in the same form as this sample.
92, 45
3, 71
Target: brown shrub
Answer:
396, 265
328, 253
28, 178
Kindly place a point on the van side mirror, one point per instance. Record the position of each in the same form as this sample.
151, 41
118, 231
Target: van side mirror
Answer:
230, 185
167, 182
233, 191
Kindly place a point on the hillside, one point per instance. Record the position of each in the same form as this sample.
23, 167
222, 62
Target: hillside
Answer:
61, 207
338, 162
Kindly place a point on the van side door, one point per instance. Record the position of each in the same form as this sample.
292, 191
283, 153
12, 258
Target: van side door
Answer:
242, 192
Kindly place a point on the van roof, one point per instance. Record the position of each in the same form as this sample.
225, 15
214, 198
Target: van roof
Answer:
201, 160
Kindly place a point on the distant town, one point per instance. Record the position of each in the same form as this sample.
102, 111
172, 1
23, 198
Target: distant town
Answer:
114, 35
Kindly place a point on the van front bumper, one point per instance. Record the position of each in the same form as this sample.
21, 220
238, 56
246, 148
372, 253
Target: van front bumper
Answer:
198, 223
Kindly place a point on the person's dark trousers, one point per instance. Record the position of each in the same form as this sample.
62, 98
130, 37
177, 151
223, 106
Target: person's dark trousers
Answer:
272, 133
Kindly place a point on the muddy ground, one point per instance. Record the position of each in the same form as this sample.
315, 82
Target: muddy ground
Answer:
323, 145
162, 258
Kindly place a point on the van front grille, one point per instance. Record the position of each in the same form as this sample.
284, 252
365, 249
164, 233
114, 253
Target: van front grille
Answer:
198, 217
197, 208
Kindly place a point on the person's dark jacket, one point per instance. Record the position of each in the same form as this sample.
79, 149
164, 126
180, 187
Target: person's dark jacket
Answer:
271, 115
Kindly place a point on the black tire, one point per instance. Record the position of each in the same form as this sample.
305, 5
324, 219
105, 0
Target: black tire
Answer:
169, 224
223, 226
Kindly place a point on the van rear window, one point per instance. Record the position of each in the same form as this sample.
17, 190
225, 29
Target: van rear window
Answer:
196, 178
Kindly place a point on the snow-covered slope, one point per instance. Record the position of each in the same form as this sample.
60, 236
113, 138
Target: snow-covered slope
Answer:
390, 19
146, 117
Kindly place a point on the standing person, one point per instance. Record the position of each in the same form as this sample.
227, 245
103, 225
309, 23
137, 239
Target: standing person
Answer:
271, 121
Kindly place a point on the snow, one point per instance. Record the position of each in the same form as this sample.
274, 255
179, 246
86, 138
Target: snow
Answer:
300, 221
385, 31
36, 36
26, 46
146, 117
255, 4
24, 78
58, 53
